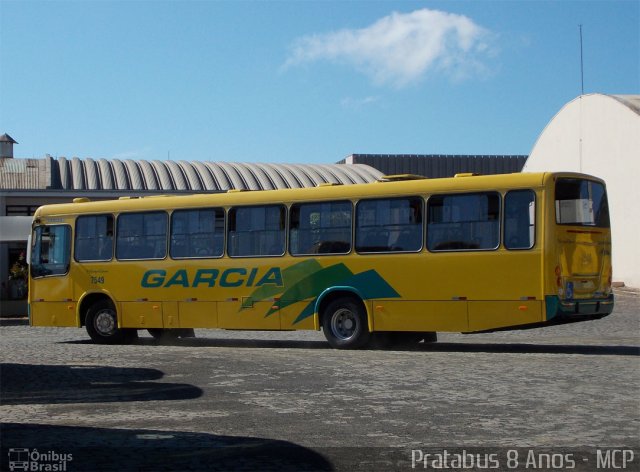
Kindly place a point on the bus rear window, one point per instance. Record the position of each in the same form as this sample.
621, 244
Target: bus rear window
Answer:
582, 203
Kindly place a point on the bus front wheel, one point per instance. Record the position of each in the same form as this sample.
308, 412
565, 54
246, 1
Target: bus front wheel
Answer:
102, 325
344, 323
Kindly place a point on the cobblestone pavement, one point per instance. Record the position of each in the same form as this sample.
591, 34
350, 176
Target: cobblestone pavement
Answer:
286, 401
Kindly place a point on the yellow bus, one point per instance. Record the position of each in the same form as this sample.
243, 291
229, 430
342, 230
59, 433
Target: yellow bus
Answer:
396, 260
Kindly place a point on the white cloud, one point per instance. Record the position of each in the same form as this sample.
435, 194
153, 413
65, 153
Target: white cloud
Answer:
401, 48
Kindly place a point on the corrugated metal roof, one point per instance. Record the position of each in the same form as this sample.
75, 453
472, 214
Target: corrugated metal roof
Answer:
172, 176
19, 173
195, 176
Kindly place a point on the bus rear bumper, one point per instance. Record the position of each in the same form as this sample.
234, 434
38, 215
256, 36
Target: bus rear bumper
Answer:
563, 312
568, 310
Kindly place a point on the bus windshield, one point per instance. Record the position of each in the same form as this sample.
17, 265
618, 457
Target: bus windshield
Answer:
51, 250
582, 203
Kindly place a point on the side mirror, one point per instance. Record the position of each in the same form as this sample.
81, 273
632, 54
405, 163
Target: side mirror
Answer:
29, 241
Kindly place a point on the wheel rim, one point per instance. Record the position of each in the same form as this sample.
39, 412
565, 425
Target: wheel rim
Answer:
105, 323
344, 323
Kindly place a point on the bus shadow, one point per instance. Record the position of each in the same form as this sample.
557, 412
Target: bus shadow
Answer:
227, 342
29, 384
14, 321
88, 448
510, 348
244, 343
525, 348
492, 348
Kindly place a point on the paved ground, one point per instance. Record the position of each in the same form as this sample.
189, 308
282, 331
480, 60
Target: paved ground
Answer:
286, 401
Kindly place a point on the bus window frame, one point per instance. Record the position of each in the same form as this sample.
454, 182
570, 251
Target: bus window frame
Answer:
535, 220
69, 247
314, 254
166, 239
113, 242
282, 206
422, 225
578, 224
224, 233
479, 192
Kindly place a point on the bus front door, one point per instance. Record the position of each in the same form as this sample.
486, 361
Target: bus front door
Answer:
51, 300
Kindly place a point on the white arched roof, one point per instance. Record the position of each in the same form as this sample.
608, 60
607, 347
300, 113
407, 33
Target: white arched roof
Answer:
599, 134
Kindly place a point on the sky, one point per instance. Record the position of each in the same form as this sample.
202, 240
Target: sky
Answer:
302, 81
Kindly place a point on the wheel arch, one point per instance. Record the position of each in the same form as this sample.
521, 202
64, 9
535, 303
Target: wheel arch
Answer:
332, 293
90, 298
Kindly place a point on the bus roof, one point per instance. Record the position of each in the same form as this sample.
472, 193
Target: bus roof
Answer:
461, 183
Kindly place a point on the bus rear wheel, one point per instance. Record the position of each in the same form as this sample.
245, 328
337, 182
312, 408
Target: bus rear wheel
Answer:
344, 323
102, 325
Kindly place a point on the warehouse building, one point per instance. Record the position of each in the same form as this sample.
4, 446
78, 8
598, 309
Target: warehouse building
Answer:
26, 184
437, 166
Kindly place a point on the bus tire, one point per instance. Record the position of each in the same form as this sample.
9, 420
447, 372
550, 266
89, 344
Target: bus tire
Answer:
344, 323
102, 325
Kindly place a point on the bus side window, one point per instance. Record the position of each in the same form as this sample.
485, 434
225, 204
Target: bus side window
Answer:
94, 238
389, 225
519, 219
463, 222
142, 236
256, 231
197, 233
320, 228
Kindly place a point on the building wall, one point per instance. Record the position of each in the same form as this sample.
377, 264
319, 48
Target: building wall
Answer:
437, 166
600, 135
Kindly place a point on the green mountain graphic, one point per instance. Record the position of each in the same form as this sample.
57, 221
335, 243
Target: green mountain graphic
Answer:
307, 280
